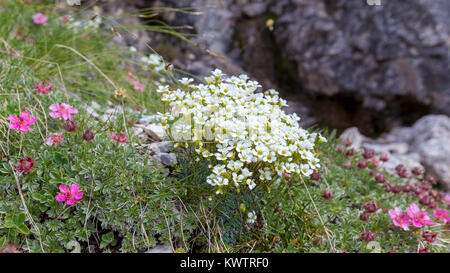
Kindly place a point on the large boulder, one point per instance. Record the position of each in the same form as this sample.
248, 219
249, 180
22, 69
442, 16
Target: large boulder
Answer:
426, 143
378, 54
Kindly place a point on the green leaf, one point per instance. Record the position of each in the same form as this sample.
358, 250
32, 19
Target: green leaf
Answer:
9, 221
19, 219
23, 229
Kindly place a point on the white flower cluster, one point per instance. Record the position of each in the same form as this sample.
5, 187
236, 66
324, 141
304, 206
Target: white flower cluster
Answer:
246, 136
155, 61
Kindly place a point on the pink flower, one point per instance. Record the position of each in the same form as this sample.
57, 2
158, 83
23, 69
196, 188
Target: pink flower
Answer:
138, 86
441, 215
418, 218
40, 19
69, 195
399, 219
62, 111
119, 137
54, 139
43, 88
21, 123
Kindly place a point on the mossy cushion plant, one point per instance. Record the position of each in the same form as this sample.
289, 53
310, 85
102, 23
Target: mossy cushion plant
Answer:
73, 182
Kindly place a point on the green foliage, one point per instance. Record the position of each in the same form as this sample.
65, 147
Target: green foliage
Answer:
129, 204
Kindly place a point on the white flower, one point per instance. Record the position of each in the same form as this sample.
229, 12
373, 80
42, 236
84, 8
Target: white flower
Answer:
238, 131
251, 218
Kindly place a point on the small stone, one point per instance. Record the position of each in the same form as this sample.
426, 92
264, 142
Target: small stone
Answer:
161, 147
137, 131
166, 158
161, 249
155, 131
146, 120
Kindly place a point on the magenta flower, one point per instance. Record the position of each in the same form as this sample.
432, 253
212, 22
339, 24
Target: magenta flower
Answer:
43, 88
21, 123
418, 217
399, 219
119, 137
441, 215
54, 139
40, 19
62, 111
24, 165
69, 194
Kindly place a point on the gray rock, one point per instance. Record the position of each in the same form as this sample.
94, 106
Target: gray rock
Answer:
255, 9
432, 142
354, 136
161, 249
397, 50
166, 158
146, 120
393, 148
155, 131
161, 147
137, 131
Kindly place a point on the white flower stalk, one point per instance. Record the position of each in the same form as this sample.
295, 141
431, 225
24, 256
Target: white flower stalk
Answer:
246, 136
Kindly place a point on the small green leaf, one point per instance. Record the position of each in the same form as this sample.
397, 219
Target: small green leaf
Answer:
23, 229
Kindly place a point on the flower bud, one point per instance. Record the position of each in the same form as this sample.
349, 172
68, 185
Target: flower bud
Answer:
364, 216
362, 164
327, 194
70, 126
315, 176
88, 135
368, 154
416, 171
371, 207
367, 236
429, 236
384, 157
380, 178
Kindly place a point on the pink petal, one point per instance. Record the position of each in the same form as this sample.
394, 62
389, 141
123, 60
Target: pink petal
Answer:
53, 107
25, 115
24, 128
13, 119
70, 201
14, 126
78, 195
64, 189
60, 198
74, 188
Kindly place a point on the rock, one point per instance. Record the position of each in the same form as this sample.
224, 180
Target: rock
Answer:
166, 158
393, 148
155, 131
255, 9
431, 140
161, 249
354, 136
426, 144
146, 120
397, 50
137, 131
410, 161
161, 147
